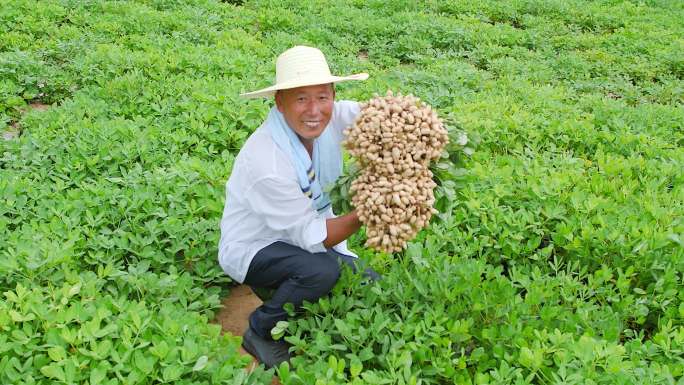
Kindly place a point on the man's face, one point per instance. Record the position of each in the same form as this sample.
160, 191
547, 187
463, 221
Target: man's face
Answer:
307, 110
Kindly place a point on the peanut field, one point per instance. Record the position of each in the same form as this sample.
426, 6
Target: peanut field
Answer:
556, 255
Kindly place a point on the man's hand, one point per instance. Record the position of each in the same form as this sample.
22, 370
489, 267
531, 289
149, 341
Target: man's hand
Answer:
341, 228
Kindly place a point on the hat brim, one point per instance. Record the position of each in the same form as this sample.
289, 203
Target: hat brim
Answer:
270, 91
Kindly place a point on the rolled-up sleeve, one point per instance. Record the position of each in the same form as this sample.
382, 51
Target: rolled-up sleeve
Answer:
284, 208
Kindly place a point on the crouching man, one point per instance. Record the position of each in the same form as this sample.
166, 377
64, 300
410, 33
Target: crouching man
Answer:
278, 230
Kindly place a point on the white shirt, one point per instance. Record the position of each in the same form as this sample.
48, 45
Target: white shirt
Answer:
265, 204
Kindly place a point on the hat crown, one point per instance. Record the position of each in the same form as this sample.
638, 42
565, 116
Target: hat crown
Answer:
301, 66
301, 62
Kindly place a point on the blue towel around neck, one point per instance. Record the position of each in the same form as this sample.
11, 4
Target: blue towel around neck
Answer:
314, 175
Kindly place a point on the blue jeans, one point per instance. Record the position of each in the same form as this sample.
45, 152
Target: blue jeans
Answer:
293, 275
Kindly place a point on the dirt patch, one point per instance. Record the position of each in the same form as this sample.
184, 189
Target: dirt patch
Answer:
234, 316
12, 132
237, 306
14, 129
38, 106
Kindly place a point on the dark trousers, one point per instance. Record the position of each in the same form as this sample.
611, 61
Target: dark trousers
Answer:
294, 275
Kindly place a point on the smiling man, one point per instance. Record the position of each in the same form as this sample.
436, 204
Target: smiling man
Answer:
278, 230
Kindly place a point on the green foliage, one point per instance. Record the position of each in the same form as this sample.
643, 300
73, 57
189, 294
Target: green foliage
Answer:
84, 332
462, 320
557, 256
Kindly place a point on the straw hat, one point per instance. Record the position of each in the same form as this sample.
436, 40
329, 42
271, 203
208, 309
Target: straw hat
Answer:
301, 66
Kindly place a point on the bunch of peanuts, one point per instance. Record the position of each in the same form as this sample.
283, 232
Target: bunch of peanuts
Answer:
394, 138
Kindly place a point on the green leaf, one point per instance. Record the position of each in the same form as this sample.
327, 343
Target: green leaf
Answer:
356, 367
144, 363
74, 290
16, 316
190, 350
531, 359
342, 327
135, 317
372, 378
676, 239
53, 371
279, 330
284, 372
366, 354
57, 353
200, 364
172, 373
160, 350
415, 252
97, 374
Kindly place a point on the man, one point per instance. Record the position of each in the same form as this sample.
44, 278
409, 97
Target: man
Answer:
278, 230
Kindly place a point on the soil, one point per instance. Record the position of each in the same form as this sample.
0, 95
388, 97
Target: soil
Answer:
14, 129
237, 306
11, 133
233, 317
39, 106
